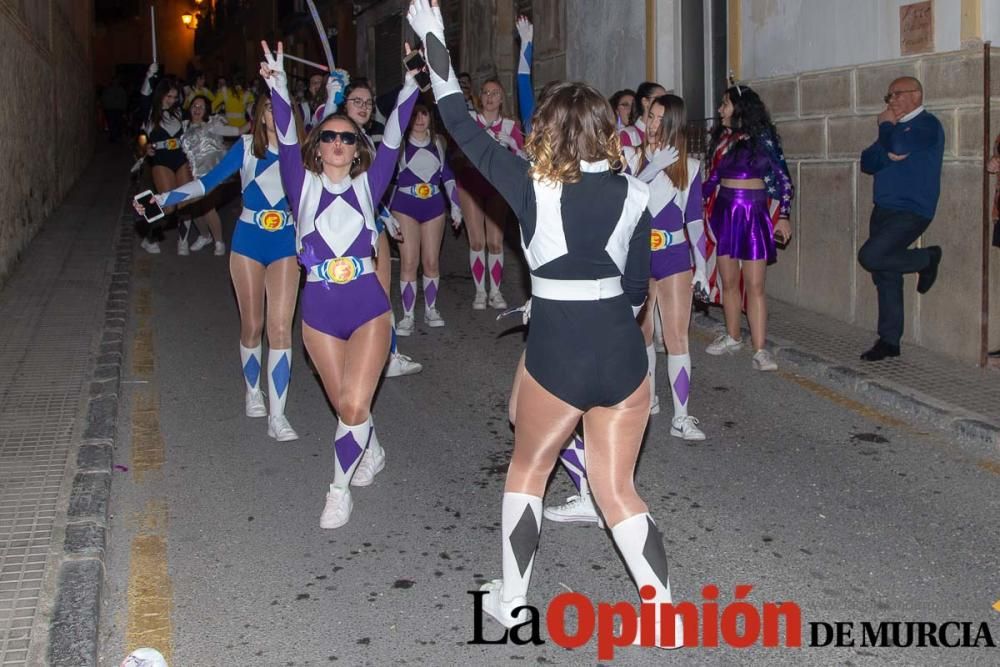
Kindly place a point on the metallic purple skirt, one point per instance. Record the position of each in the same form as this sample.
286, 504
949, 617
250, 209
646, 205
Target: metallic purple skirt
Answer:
742, 226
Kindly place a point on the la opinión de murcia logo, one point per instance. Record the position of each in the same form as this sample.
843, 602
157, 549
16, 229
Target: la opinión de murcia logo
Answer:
739, 624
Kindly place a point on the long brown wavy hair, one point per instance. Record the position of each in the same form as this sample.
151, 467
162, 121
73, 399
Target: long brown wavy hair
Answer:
573, 122
310, 148
672, 131
260, 127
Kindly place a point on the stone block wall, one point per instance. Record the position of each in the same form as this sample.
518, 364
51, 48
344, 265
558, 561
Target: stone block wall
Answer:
826, 119
47, 123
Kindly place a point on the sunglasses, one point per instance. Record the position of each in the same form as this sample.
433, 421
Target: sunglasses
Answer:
896, 93
346, 138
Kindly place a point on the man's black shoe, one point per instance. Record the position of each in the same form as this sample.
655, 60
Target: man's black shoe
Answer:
929, 275
880, 350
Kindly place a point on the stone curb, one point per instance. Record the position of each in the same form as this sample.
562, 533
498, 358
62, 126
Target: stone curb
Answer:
74, 629
969, 427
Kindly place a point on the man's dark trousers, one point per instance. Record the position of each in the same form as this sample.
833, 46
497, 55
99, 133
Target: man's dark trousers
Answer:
886, 255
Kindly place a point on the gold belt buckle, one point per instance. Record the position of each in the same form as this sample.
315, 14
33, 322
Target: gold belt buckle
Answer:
423, 191
659, 239
270, 220
341, 270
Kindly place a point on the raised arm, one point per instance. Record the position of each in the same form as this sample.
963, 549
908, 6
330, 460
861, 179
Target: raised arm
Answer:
525, 93
200, 187
293, 172
384, 166
507, 172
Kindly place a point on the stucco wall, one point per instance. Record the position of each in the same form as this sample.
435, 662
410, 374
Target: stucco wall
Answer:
47, 125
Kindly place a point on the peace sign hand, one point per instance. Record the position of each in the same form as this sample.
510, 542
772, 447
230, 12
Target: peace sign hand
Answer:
272, 70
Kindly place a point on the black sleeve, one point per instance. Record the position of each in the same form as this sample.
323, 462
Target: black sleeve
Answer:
635, 280
507, 172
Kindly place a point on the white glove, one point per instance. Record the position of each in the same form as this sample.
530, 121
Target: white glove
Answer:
272, 70
391, 225
699, 283
661, 159
525, 30
153, 69
456, 216
426, 21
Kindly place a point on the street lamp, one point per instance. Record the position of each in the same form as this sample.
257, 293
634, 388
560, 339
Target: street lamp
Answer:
190, 20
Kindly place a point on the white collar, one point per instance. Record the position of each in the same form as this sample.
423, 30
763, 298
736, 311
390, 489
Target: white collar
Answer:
913, 114
641, 126
336, 188
594, 167
420, 143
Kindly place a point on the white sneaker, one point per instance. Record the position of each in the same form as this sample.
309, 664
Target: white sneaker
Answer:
686, 428
200, 243
279, 429
337, 510
152, 247
432, 318
724, 344
183, 249
479, 301
654, 406
658, 345
255, 404
678, 635
763, 360
497, 301
220, 249
372, 463
500, 609
404, 327
400, 364
578, 508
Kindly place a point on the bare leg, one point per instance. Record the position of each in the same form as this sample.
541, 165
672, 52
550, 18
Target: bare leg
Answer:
282, 287
732, 301
248, 278
675, 294
431, 233
409, 259
753, 279
214, 223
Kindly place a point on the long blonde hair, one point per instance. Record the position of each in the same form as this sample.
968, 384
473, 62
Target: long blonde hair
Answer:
573, 123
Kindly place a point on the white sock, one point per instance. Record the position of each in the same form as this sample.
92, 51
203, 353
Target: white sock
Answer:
679, 372
496, 271
250, 358
477, 263
431, 291
348, 447
521, 522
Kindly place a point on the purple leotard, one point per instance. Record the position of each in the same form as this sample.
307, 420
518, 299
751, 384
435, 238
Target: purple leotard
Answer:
422, 170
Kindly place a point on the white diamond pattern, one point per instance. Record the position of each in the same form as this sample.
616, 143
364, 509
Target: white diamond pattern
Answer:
339, 224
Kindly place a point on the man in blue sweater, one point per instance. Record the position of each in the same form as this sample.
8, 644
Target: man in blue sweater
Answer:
906, 163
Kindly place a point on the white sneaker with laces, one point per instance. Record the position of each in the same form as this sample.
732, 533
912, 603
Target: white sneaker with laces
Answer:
724, 344
255, 404
479, 301
763, 360
152, 247
432, 318
200, 243
654, 406
279, 429
183, 249
500, 609
497, 302
686, 428
400, 364
404, 327
220, 249
372, 463
337, 510
578, 508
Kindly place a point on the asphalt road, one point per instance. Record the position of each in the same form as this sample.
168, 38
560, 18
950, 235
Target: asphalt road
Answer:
217, 556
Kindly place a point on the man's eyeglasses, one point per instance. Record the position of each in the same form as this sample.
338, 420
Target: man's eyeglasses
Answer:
896, 93
346, 138
361, 103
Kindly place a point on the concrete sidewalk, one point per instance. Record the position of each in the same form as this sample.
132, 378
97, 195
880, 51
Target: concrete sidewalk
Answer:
959, 398
61, 317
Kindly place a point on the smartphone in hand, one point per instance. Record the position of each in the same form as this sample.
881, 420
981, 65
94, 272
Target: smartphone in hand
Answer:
153, 212
414, 60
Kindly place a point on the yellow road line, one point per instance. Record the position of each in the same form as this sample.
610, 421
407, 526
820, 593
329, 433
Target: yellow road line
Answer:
843, 401
150, 592
148, 452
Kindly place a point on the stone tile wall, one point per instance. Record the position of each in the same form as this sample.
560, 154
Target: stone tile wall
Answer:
47, 124
825, 120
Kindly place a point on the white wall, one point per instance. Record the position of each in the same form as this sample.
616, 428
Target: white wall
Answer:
606, 43
787, 36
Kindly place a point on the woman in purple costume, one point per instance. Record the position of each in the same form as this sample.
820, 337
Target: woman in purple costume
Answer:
425, 191
333, 186
747, 173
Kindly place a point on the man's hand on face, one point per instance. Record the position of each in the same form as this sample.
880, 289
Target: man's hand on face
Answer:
887, 116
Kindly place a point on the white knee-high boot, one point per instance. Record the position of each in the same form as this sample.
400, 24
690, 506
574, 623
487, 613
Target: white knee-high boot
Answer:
521, 517
372, 461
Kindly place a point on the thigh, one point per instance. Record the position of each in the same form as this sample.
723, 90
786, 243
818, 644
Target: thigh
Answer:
496, 215
544, 424
674, 295
164, 178
473, 216
409, 249
729, 271
367, 351
431, 235
327, 354
281, 280
754, 274
248, 276
648, 313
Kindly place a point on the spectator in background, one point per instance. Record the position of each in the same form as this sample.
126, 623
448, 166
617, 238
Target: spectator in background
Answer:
906, 163
623, 104
114, 101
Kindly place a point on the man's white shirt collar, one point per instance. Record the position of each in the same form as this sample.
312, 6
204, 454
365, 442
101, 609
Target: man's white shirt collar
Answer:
913, 114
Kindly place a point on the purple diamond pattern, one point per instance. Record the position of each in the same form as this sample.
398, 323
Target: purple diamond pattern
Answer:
497, 273
347, 451
409, 296
478, 270
682, 383
569, 457
430, 292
